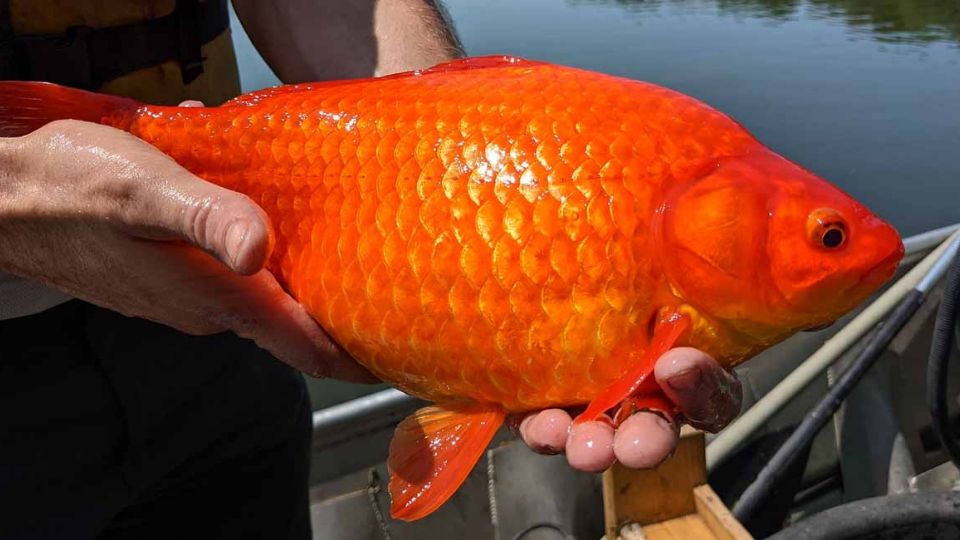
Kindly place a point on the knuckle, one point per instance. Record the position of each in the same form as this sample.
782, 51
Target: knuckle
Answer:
728, 388
57, 129
205, 218
318, 370
544, 449
199, 329
121, 194
709, 427
104, 178
196, 218
246, 325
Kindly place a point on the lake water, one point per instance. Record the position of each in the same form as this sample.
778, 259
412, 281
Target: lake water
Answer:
863, 92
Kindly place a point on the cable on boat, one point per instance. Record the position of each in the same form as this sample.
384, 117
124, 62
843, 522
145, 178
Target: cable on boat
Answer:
930, 515
545, 525
938, 362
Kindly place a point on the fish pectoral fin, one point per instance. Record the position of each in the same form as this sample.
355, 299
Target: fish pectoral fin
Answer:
639, 382
649, 401
432, 452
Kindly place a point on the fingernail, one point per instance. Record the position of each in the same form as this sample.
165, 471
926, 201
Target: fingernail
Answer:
320, 371
663, 422
236, 235
523, 424
686, 380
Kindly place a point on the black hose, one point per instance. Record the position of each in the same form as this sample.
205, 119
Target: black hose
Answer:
928, 516
544, 525
938, 363
758, 492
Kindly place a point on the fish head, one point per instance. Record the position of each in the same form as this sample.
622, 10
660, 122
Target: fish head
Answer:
769, 248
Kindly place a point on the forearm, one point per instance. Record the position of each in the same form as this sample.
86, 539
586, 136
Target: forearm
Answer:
311, 40
10, 165
12, 205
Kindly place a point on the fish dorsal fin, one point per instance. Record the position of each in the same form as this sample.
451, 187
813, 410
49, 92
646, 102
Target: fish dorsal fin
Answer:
255, 97
462, 64
432, 452
468, 64
480, 62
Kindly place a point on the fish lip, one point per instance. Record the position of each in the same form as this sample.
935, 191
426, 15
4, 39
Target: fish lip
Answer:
820, 327
881, 272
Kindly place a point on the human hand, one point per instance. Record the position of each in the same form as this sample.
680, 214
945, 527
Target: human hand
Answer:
707, 396
107, 218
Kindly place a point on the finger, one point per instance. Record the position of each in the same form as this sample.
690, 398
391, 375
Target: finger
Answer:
225, 224
707, 395
644, 440
146, 192
255, 307
190, 103
546, 432
279, 324
590, 446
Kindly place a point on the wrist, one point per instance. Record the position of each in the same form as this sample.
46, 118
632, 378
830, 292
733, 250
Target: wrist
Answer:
11, 173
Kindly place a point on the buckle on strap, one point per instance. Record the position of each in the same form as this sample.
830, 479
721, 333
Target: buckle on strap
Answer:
64, 58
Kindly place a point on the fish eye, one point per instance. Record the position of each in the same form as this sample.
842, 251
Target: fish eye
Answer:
832, 238
827, 228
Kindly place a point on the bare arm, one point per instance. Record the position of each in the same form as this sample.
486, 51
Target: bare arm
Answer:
311, 40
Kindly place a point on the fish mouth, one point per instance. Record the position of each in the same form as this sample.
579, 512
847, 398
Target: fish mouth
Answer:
868, 283
820, 327
882, 271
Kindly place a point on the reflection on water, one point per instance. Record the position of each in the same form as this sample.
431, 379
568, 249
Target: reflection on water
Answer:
912, 20
889, 20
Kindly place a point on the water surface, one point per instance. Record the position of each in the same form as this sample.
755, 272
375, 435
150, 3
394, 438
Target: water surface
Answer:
865, 93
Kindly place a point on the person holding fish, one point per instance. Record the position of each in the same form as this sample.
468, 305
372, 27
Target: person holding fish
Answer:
130, 402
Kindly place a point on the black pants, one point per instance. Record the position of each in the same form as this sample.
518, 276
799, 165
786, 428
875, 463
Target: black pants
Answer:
117, 428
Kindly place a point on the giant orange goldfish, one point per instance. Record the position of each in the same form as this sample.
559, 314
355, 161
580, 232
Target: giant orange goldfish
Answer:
498, 235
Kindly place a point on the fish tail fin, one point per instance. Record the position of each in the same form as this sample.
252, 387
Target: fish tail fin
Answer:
432, 452
27, 106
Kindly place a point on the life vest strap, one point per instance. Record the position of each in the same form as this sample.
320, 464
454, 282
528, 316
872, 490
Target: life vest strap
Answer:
85, 57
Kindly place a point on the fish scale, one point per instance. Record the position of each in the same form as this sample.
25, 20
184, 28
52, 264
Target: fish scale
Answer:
498, 235
522, 187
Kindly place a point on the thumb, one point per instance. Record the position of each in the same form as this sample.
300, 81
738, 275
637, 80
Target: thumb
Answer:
226, 224
708, 396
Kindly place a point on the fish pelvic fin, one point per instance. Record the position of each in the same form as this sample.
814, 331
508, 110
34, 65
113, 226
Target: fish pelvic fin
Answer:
27, 106
432, 452
637, 388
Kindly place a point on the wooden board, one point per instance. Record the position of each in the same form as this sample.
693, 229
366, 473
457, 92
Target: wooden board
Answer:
659, 494
687, 527
671, 502
716, 516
